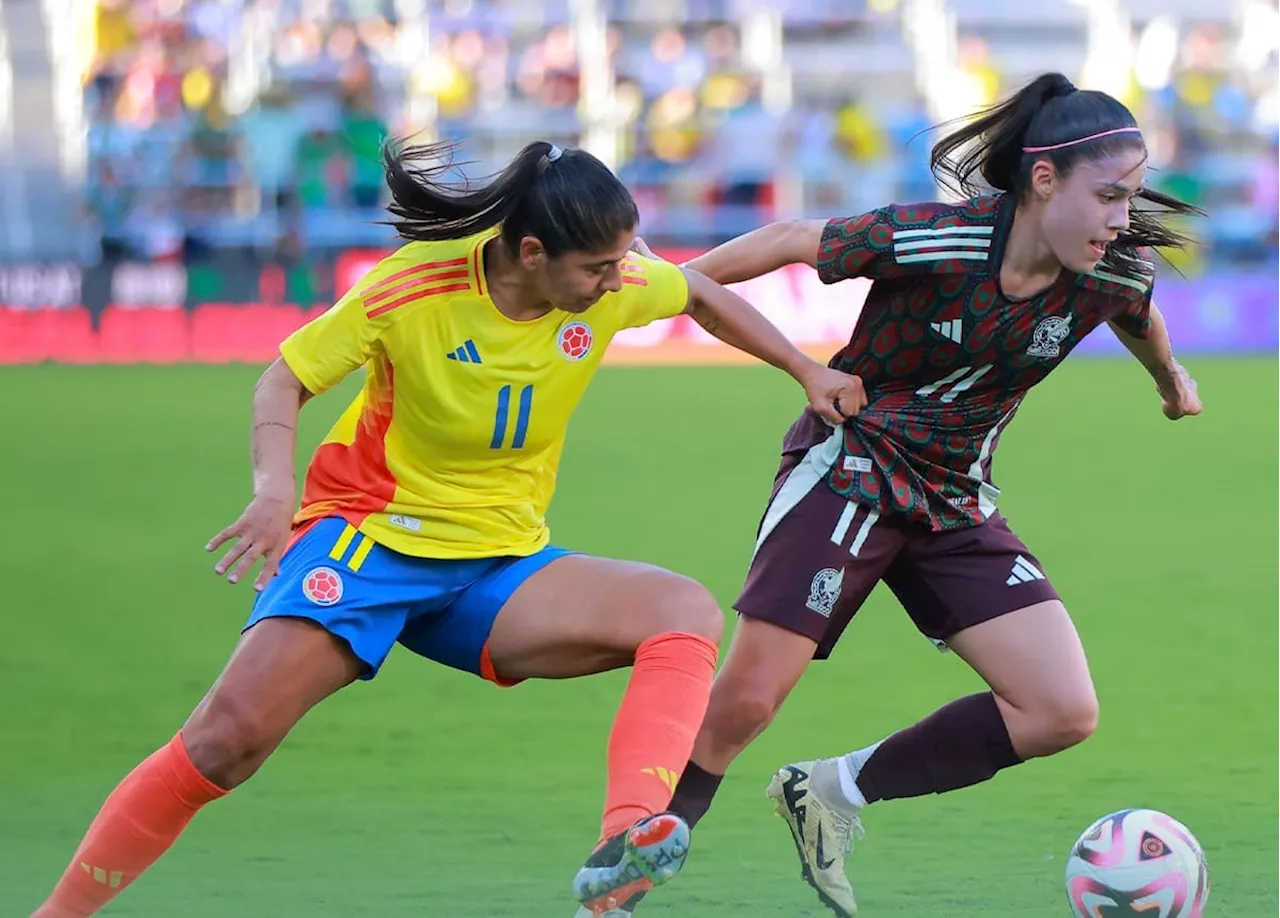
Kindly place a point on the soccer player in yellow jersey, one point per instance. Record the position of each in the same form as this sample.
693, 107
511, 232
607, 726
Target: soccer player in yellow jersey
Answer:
423, 517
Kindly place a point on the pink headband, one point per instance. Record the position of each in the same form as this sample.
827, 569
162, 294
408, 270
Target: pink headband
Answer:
1072, 143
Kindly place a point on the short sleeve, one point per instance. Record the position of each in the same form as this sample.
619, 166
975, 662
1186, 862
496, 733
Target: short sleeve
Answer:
334, 344
1134, 317
651, 290
1135, 320
857, 247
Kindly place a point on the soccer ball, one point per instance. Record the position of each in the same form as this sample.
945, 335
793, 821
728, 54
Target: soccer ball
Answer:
1137, 862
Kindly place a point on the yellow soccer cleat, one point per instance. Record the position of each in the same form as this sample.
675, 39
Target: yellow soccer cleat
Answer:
822, 829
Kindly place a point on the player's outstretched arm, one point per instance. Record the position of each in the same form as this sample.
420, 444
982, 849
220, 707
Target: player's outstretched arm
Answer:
263, 529
761, 251
1178, 391
834, 395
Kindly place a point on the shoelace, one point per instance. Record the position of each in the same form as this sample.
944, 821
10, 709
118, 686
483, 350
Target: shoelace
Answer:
847, 830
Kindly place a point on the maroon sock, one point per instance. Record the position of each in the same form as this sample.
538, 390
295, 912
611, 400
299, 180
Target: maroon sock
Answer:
693, 794
963, 743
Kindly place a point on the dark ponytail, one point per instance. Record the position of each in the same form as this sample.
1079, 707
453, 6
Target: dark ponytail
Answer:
567, 199
1049, 111
991, 141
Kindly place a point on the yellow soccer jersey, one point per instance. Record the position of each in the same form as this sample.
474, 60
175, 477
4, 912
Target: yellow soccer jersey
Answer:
452, 447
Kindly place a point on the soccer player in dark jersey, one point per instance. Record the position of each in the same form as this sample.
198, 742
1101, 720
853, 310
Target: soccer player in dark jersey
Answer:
971, 305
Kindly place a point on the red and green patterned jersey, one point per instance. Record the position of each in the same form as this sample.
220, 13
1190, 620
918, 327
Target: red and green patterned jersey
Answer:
946, 358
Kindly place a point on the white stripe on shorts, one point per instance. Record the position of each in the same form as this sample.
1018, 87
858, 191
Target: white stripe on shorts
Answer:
865, 530
847, 516
800, 481
842, 524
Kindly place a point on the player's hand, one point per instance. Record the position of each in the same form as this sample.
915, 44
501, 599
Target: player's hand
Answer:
834, 395
1179, 394
261, 532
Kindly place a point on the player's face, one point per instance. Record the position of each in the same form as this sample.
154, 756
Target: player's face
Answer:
1086, 211
575, 281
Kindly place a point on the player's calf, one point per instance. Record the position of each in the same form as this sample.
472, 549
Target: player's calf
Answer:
279, 670
740, 709
141, 818
763, 664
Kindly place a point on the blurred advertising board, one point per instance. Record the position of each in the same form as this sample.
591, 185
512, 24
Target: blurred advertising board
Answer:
237, 309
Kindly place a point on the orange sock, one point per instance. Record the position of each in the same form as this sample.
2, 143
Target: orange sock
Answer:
144, 815
656, 724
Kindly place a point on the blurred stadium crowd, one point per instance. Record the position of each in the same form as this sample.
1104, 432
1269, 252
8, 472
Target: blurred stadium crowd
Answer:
233, 123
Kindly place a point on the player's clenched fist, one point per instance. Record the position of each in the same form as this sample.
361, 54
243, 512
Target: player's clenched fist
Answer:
1179, 394
262, 531
834, 395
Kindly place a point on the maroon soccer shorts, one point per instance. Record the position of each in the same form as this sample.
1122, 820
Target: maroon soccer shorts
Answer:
819, 555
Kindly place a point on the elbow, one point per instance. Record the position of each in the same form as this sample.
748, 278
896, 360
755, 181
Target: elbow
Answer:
789, 229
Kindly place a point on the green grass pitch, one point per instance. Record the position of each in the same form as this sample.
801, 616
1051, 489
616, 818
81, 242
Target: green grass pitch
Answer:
429, 792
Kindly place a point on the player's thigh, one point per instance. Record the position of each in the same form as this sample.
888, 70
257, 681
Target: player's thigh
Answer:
279, 670
291, 655
982, 593
817, 556
356, 590
1033, 659
953, 580
580, 614
329, 616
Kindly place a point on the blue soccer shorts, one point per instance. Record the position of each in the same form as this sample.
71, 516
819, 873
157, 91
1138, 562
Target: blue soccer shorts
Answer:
372, 597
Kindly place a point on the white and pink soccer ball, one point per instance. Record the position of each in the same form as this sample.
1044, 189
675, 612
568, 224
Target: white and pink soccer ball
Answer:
1137, 862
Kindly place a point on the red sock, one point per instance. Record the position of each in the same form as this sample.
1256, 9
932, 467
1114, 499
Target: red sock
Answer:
656, 724
144, 815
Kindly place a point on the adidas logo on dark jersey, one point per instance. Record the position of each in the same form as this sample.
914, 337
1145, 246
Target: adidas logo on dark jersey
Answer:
951, 329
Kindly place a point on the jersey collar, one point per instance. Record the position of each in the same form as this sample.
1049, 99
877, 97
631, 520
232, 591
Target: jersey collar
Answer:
1006, 204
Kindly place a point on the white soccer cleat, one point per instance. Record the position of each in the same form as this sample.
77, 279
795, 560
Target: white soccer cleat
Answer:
823, 830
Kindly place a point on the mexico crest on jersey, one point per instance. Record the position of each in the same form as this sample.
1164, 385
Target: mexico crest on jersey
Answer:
574, 341
1050, 332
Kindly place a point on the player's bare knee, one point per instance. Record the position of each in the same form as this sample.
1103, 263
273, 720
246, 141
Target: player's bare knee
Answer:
227, 742
1069, 722
1079, 722
687, 606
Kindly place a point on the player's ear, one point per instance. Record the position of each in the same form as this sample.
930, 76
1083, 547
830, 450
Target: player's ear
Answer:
1044, 178
533, 254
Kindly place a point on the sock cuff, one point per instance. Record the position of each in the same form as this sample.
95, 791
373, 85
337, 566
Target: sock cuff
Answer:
184, 779
1001, 750
666, 646
698, 776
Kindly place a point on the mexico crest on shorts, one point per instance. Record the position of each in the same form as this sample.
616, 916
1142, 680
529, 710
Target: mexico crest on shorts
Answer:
574, 341
825, 590
322, 585
1050, 332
